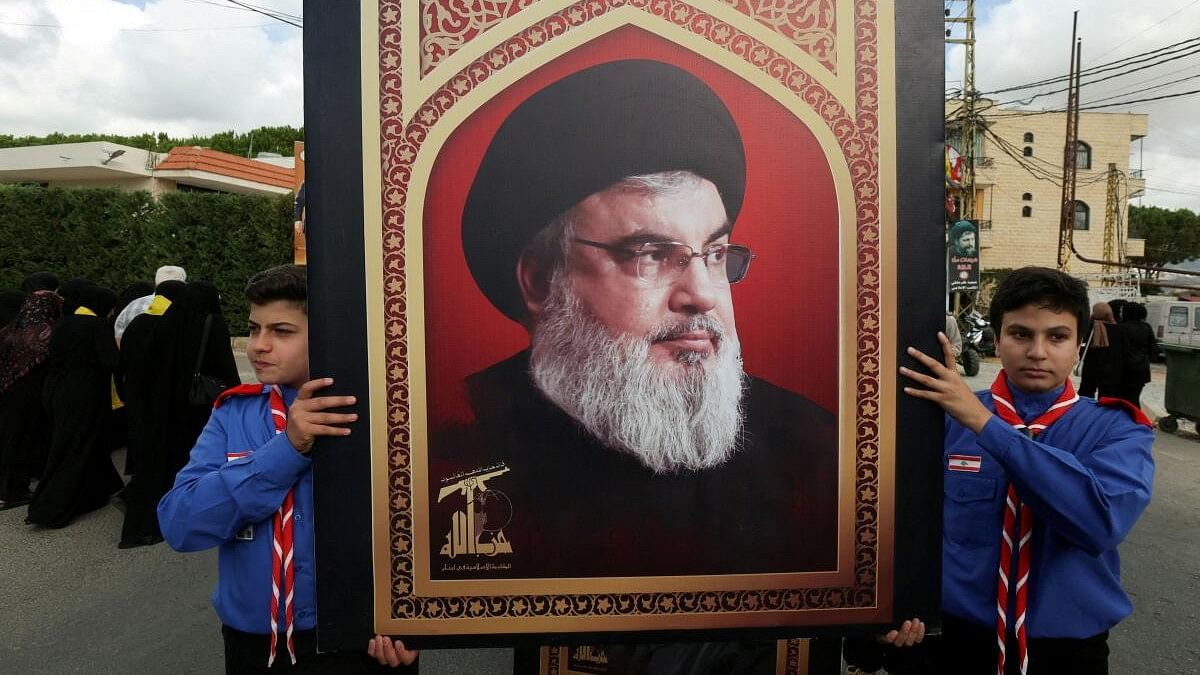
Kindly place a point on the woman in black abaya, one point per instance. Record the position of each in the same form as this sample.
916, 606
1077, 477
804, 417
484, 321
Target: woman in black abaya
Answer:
24, 429
171, 422
79, 475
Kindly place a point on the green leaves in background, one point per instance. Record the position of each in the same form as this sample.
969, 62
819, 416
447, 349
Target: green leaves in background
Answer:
115, 238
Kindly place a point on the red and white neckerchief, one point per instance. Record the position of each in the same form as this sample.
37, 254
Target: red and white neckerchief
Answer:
283, 537
283, 548
1018, 512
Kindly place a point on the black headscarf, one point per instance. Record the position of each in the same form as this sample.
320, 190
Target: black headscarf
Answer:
102, 300
138, 289
39, 281
76, 293
217, 359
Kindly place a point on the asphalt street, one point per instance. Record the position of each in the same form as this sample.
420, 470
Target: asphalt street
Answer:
71, 602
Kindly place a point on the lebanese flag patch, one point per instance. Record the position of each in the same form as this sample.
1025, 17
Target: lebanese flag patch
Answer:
969, 463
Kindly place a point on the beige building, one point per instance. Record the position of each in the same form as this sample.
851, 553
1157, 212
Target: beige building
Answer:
1018, 193
102, 164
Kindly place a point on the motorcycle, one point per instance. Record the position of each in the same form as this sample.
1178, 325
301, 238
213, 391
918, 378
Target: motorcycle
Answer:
978, 340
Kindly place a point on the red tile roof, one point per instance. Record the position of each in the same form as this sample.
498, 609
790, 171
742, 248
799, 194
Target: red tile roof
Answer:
225, 164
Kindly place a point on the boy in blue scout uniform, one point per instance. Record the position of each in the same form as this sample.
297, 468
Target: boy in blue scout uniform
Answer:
247, 488
1041, 486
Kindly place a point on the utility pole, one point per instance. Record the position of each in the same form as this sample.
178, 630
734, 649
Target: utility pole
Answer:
1066, 225
1112, 210
967, 119
967, 112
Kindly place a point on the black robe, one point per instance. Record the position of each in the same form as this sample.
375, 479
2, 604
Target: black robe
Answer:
24, 434
159, 356
79, 475
1103, 366
579, 508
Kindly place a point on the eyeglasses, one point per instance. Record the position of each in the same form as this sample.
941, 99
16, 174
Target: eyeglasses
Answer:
662, 262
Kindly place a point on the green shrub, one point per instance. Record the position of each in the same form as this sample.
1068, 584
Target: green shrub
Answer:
115, 238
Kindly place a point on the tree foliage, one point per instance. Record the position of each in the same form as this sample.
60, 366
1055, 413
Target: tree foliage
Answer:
263, 139
115, 238
1172, 236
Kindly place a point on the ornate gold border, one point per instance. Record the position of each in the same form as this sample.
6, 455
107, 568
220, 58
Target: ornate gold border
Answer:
858, 137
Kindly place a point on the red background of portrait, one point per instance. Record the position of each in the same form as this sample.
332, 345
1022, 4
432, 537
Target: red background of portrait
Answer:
787, 307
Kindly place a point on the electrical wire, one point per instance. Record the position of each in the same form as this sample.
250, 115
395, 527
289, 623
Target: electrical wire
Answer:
1089, 106
289, 19
1026, 101
1105, 67
1133, 37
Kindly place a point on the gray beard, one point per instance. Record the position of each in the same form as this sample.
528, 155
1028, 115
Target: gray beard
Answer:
670, 421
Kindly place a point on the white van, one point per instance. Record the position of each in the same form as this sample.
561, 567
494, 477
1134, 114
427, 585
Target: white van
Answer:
1174, 321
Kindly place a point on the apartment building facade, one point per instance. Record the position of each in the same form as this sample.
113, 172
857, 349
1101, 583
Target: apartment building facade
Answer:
1018, 184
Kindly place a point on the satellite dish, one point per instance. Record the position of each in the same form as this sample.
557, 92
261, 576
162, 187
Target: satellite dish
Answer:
112, 155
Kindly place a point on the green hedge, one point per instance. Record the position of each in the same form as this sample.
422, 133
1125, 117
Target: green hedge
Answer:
115, 238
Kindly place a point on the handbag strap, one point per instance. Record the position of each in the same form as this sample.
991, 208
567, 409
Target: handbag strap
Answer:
1086, 345
203, 344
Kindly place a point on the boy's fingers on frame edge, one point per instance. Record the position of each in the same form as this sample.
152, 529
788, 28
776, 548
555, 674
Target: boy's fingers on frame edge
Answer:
323, 402
919, 378
322, 430
307, 389
925, 359
332, 418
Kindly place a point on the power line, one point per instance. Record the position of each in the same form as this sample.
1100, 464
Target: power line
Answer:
1145, 89
1089, 106
1195, 49
1134, 36
1130, 88
289, 19
1105, 67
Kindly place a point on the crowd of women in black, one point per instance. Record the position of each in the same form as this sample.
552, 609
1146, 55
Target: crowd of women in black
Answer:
71, 394
1116, 362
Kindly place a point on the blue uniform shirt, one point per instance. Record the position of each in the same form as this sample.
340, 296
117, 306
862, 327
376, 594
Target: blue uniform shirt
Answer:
1086, 478
227, 495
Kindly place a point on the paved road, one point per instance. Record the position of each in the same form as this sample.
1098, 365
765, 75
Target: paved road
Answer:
70, 602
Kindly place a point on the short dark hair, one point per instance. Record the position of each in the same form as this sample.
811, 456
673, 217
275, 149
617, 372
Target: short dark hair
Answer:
285, 282
1044, 287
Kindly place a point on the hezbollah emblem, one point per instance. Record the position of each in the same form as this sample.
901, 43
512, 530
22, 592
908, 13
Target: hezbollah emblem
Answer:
478, 529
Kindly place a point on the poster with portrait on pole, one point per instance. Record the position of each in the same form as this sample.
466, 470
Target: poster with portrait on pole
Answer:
962, 257
622, 287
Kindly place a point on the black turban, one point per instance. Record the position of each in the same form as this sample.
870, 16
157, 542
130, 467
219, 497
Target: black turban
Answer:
580, 135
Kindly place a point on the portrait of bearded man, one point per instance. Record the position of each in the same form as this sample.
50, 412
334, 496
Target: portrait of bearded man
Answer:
627, 440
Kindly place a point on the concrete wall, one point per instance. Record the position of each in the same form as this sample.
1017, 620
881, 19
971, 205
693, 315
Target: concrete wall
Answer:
128, 184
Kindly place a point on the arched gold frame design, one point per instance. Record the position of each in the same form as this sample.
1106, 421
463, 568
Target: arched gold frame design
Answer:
845, 95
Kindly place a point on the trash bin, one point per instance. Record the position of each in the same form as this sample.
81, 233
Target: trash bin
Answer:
1183, 386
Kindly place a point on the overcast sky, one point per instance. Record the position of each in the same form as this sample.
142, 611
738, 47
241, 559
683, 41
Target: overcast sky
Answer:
200, 66
132, 66
1023, 41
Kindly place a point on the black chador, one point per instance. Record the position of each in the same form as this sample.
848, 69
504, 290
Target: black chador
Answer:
79, 475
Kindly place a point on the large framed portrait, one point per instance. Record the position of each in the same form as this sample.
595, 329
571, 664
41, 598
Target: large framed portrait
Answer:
621, 286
